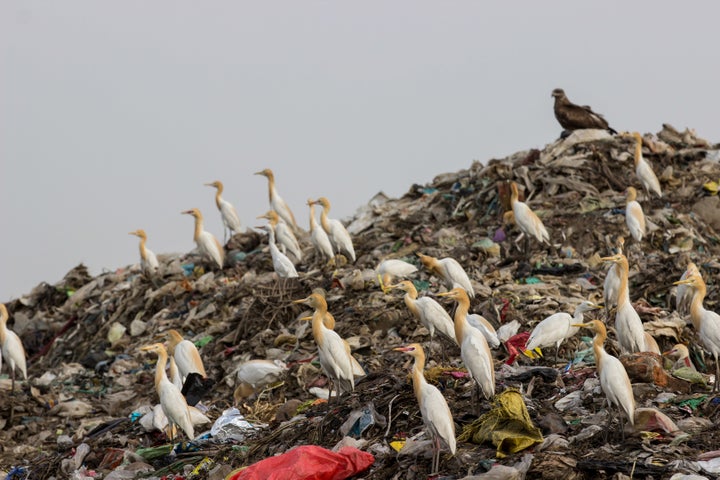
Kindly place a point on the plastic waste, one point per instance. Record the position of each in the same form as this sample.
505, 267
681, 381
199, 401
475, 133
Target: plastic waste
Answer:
360, 420
507, 425
308, 462
232, 426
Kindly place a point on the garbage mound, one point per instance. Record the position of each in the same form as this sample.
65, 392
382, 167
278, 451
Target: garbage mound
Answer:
89, 408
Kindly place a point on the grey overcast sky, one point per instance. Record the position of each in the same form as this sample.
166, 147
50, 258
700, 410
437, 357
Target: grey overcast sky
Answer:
114, 114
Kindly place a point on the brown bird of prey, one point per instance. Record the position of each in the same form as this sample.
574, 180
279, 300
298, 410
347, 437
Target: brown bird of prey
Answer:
575, 117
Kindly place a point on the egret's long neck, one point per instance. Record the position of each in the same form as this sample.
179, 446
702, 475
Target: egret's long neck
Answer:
271, 187
410, 303
313, 222
598, 349
143, 249
3, 328
623, 290
578, 316
460, 318
513, 195
317, 327
638, 151
160, 369
217, 196
324, 218
198, 228
418, 375
696, 308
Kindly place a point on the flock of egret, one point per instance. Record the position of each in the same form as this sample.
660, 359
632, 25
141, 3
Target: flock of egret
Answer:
474, 335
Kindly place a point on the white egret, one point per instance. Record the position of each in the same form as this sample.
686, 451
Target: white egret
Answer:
427, 311
683, 300
614, 380
335, 359
171, 399
390, 269
628, 325
12, 348
148, 260
206, 242
276, 201
282, 265
526, 220
254, 375
336, 231
186, 355
474, 349
634, 216
229, 215
706, 322
318, 235
450, 270
612, 280
284, 236
434, 409
643, 170
556, 328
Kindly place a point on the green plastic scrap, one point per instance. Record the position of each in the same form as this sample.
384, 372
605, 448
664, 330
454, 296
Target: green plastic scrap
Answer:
532, 280
204, 341
421, 285
154, 452
693, 403
507, 425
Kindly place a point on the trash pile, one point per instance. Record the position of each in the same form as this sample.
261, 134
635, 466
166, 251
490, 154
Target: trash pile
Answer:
89, 408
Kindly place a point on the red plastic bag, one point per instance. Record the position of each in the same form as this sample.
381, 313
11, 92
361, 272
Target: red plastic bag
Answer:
308, 462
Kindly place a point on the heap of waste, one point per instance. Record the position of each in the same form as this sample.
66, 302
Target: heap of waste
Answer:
89, 408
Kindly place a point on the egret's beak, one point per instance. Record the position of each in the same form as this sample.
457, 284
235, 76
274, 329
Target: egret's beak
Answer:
302, 300
582, 325
306, 318
687, 281
404, 349
669, 352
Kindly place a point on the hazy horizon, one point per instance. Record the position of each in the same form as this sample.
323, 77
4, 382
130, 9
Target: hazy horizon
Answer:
114, 115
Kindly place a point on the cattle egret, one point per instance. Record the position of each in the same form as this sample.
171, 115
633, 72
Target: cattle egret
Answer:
628, 325
229, 215
334, 355
389, 270
451, 272
643, 170
481, 323
186, 355
634, 216
705, 321
329, 322
282, 265
556, 328
474, 349
171, 399
612, 280
682, 355
434, 409
276, 202
318, 236
427, 311
684, 296
148, 260
526, 220
206, 242
614, 379
336, 231
284, 237
254, 375
12, 348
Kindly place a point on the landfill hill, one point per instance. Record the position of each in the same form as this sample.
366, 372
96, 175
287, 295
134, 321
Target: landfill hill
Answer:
90, 385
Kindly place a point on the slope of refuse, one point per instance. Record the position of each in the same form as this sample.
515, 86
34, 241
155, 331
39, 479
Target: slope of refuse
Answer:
84, 412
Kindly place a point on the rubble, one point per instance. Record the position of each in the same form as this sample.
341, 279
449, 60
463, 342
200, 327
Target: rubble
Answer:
88, 409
